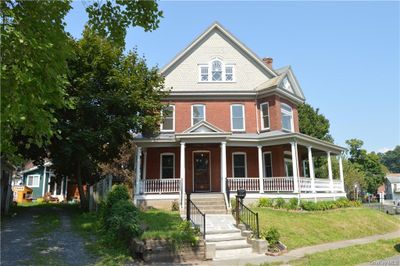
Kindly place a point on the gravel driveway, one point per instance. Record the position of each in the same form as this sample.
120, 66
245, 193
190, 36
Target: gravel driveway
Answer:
18, 245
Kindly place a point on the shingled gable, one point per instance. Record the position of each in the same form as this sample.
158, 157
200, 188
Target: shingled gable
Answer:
206, 34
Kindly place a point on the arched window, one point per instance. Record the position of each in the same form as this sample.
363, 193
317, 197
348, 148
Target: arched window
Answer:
216, 70
287, 117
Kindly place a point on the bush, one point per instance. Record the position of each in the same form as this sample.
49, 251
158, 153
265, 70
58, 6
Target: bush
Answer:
280, 203
293, 204
117, 193
186, 234
265, 202
175, 206
272, 236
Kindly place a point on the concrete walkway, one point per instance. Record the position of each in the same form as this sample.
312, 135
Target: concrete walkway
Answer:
301, 252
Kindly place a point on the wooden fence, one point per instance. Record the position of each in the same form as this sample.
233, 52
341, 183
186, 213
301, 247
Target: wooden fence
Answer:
98, 192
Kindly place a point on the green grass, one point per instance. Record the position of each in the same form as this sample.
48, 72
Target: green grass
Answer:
159, 224
351, 255
299, 229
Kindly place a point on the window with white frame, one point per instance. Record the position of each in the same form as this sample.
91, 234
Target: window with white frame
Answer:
216, 71
267, 164
33, 180
198, 113
168, 123
287, 117
237, 117
264, 108
288, 167
286, 84
306, 170
167, 168
239, 168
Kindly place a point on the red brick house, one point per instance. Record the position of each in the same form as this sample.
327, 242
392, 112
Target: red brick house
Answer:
232, 123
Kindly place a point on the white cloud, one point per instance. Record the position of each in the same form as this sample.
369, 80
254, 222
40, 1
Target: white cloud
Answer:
384, 149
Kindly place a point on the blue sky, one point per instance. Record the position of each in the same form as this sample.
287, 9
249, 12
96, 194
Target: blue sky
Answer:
344, 54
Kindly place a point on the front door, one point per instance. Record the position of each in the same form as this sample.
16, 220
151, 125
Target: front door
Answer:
201, 171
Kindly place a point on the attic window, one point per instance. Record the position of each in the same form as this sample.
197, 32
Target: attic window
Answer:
286, 84
216, 71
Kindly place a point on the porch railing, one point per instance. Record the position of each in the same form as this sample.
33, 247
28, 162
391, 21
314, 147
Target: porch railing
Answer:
170, 185
278, 184
305, 184
322, 185
195, 216
337, 185
250, 184
246, 216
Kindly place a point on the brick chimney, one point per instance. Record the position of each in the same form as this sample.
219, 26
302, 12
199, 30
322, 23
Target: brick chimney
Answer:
268, 62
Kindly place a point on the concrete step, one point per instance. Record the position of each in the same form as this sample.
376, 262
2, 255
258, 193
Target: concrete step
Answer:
232, 253
224, 237
209, 202
232, 244
218, 232
208, 207
206, 195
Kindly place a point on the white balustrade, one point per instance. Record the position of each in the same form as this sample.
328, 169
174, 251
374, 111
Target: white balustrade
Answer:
170, 185
322, 185
278, 184
305, 184
250, 184
337, 185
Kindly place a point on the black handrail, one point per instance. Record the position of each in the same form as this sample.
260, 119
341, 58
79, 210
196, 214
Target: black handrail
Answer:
247, 217
228, 192
195, 215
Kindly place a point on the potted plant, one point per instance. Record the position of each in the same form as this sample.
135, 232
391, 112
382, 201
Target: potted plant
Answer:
275, 247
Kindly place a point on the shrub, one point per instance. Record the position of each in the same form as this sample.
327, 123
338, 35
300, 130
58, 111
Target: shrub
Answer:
39, 200
265, 202
280, 203
117, 193
272, 236
293, 204
175, 206
186, 234
308, 205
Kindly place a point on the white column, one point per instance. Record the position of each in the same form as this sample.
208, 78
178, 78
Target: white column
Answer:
182, 175
328, 153
341, 172
260, 168
223, 166
138, 166
311, 167
44, 181
66, 188
145, 163
294, 169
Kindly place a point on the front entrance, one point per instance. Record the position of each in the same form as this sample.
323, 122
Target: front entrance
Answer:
201, 171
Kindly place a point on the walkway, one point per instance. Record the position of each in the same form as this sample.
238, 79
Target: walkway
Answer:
301, 252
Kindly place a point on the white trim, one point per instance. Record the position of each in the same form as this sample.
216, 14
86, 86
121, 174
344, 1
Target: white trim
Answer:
272, 166
44, 181
286, 168
173, 120
33, 179
209, 167
173, 164
305, 164
262, 116
244, 117
191, 113
245, 163
291, 117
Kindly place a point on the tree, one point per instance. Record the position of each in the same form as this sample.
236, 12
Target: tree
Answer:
115, 95
34, 49
314, 124
354, 176
368, 163
391, 159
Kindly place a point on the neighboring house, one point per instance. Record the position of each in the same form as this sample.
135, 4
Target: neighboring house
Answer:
41, 179
232, 122
392, 186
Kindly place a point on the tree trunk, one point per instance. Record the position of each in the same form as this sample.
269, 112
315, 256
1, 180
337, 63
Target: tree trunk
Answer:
82, 195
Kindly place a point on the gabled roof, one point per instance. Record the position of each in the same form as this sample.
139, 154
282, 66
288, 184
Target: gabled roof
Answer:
203, 127
218, 27
393, 178
276, 83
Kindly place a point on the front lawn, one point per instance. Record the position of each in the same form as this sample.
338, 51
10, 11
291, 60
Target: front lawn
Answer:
159, 224
299, 229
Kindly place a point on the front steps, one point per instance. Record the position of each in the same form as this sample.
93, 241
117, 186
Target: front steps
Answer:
210, 203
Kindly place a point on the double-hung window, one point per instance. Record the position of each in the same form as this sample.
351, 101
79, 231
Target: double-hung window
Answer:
228, 73
264, 108
168, 116
203, 73
198, 113
237, 117
167, 165
33, 180
267, 164
239, 165
216, 71
287, 117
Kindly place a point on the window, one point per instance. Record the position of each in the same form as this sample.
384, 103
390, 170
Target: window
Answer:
306, 170
239, 165
204, 73
237, 117
33, 180
216, 71
168, 115
287, 117
286, 84
167, 165
288, 167
198, 113
264, 107
229, 73
267, 164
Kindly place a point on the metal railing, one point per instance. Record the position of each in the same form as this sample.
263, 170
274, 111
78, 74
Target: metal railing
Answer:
228, 192
246, 216
195, 215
